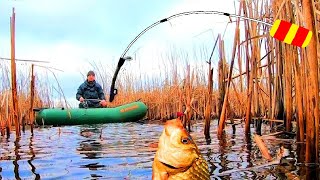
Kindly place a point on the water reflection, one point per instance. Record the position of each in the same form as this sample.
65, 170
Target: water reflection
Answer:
119, 151
91, 146
222, 150
247, 148
17, 158
210, 161
33, 155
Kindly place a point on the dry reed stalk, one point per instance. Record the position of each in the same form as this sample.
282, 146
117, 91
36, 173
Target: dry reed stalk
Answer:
221, 73
299, 102
279, 90
13, 76
255, 57
304, 87
237, 96
207, 113
270, 76
274, 72
263, 148
279, 7
290, 52
2, 126
188, 97
7, 115
316, 28
312, 138
249, 74
223, 112
288, 86
31, 112
275, 86
9, 124
239, 49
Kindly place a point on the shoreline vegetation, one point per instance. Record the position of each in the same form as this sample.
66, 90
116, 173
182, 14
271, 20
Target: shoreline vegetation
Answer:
264, 78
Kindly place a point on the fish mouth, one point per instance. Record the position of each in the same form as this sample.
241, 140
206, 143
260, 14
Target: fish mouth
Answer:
172, 167
168, 165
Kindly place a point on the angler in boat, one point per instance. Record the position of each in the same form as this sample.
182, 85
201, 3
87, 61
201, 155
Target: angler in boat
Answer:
90, 93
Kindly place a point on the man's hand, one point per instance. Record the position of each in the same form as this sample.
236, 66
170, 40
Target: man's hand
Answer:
103, 103
81, 99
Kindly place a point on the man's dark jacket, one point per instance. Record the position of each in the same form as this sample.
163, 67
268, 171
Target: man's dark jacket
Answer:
90, 90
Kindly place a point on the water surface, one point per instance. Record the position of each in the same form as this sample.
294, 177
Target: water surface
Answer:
124, 151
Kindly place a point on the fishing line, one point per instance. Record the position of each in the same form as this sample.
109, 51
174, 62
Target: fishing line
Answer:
187, 14
281, 30
114, 91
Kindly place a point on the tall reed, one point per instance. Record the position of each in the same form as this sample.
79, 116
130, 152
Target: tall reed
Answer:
41, 97
270, 80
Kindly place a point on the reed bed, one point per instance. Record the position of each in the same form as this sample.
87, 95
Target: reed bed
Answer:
42, 97
280, 81
264, 77
178, 90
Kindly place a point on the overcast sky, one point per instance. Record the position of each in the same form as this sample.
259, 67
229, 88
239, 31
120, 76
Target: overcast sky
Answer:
72, 33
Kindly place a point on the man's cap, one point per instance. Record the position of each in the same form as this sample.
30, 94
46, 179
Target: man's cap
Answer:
90, 73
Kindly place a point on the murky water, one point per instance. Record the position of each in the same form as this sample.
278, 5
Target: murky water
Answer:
123, 151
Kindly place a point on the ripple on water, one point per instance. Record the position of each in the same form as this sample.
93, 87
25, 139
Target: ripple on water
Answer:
118, 151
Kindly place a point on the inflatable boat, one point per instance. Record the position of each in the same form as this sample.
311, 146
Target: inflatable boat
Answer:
130, 112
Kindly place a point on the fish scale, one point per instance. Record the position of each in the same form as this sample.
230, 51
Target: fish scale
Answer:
199, 170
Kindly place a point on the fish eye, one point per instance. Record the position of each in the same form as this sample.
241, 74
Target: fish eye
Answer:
185, 140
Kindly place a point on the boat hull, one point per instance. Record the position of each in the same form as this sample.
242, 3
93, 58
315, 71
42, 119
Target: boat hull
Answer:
58, 116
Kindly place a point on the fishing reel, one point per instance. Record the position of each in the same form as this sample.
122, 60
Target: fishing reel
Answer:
113, 93
85, 104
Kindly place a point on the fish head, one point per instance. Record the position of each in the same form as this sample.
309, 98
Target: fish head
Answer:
176, 147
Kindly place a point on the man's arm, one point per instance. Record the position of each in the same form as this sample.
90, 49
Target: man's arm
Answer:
79, 93
100, 92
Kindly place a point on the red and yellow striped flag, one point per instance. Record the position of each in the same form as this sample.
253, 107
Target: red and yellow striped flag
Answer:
290, 33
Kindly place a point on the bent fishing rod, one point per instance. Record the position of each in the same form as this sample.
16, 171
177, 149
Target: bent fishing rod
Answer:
93, 100
277, 31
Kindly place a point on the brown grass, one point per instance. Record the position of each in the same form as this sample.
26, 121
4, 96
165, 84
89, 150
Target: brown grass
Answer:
271, 78
42, 96
282, 85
